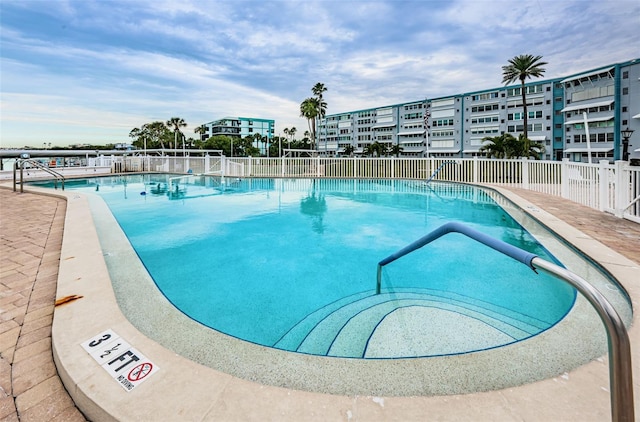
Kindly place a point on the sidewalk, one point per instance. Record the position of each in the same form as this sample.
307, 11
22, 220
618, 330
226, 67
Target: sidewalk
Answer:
31, 229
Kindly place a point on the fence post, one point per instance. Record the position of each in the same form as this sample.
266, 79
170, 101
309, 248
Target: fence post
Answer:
603, 179
223, 165
476, 175
621, 188
393, 167
282, 166
564, 178
525, 173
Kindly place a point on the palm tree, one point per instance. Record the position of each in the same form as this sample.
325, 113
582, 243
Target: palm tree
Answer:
292, 133
498, 146
139, 136
348, 150
376, 149
176, 123
309, 110
317, 90
200, 130
157, 131
396, 150
520, 68
530, 149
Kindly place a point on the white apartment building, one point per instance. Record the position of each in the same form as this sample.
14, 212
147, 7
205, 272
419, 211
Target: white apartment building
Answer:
579, 116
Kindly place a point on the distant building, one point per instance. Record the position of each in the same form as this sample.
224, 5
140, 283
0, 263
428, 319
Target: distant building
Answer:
240, 127
607, 98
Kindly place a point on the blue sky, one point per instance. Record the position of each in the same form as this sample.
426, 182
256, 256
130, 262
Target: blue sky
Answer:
83, 71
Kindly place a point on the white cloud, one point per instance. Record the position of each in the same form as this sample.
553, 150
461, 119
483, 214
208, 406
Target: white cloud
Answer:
102, 68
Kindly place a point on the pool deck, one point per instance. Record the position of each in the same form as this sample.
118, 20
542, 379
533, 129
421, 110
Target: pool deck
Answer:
31, 233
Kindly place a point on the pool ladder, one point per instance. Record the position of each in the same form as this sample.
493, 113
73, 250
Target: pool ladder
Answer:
20, 164
620, 376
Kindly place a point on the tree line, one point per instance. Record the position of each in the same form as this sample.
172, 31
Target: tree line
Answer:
162, 135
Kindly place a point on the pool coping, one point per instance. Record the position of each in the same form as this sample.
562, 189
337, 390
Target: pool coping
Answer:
194, 392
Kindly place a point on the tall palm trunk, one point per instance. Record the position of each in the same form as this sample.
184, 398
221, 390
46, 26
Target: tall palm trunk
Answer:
526, 115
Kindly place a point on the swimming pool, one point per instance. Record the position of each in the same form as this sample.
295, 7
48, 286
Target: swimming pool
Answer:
556, 349
299, 256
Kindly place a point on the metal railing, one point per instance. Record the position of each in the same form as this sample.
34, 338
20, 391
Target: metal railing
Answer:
34, 163
620, 369
435, 173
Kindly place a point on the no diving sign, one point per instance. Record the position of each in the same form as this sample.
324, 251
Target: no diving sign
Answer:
124, 363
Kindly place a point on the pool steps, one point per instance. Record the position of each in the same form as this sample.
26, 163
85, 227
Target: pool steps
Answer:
337, 329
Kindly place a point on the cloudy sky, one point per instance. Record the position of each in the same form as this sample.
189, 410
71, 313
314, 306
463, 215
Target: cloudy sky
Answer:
84, 71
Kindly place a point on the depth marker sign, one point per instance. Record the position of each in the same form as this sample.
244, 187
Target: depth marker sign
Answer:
124, 363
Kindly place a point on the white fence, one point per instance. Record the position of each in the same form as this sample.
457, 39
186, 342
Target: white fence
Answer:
613, 188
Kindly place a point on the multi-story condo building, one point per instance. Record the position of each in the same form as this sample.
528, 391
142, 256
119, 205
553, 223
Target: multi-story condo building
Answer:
563, 114
241, 127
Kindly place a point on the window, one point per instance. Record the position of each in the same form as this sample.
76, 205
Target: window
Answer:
483, 108
625, 74
442, 122
515, 116
624, 109
486, 96
535, 114
485, 119
625, 91
515, 128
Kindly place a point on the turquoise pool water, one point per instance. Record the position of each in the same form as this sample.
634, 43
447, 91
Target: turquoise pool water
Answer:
291, 264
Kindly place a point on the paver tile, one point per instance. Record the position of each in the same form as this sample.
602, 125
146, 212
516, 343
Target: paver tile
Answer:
38, 393
34, 336
28, 373
46, 409
7, 406
32, 349
8, 339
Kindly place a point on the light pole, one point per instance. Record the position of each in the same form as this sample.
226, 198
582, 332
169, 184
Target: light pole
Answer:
626, 134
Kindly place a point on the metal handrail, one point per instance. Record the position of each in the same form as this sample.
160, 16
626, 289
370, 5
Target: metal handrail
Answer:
20, 163
435, 173
620, 369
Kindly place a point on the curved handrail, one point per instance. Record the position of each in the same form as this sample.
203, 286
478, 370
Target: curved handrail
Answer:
620, 369
20, 163
435, 173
